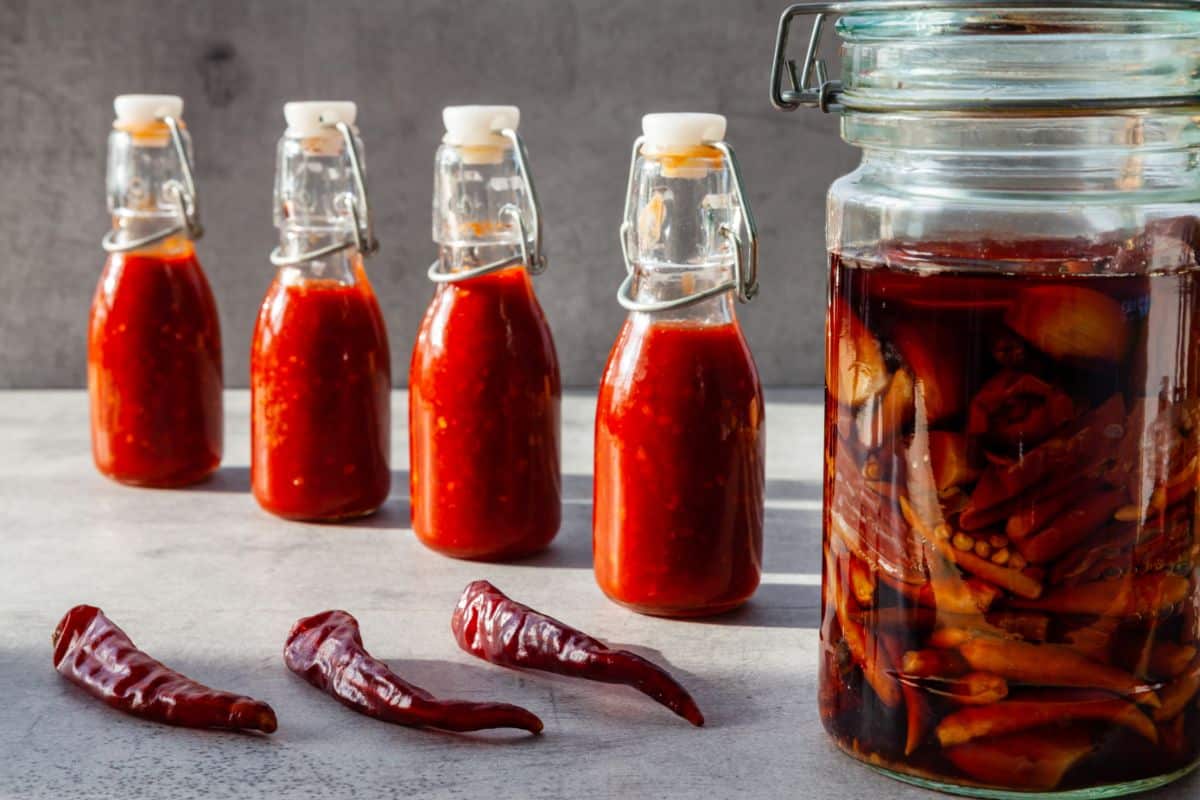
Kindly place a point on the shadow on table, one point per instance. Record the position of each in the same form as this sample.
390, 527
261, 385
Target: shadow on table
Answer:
235, 480
786, 489
395, 513
792, 536
775, 605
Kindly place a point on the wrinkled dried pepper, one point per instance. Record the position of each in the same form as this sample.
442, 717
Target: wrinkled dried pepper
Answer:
488, 624
327, 650
96, 655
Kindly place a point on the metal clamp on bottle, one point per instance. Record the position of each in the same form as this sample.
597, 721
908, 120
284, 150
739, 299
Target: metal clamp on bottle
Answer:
182, 194
744, 244
355, 206
810, 86
532, 255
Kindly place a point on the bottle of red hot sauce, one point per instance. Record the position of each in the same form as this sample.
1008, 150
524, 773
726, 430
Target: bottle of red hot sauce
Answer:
320, 372
679, 467
484, 389
154, 342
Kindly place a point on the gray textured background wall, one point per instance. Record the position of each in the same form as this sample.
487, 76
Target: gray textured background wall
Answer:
583, 72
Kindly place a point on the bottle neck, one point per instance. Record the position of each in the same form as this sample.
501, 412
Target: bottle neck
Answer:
459, 258
679, 202
144, 178
341, 267
478, 193
656, 284
314, 192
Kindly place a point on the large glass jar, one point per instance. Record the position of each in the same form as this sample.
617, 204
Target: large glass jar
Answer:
1011, 598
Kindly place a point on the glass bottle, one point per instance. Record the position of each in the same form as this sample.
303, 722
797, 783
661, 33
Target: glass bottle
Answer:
679, 471
1011, 585
320, 368
154, 341
484, 386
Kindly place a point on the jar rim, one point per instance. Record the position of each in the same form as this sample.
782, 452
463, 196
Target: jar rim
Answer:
1054, 58
998, 21
1004, 56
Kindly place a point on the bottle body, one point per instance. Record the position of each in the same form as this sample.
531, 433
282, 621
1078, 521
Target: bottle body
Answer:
484, 420
320, 397
679, 467
154, 368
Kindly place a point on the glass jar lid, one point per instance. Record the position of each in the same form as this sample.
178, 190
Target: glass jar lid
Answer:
1081, 56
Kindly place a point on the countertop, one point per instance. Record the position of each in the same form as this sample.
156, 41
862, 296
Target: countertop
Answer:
207, 582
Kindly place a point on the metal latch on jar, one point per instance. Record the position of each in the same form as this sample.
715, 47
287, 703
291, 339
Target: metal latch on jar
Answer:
811, 87
532, 254
745, 263
183, 194
358, 207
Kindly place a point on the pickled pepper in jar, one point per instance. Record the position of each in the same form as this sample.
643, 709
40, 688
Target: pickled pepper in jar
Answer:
154, 340
679, 459
484, 387
1011, 561
320, 368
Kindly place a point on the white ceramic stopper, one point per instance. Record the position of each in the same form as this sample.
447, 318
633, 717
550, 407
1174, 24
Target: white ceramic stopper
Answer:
678, 131
317, 117
134, 110
478, 126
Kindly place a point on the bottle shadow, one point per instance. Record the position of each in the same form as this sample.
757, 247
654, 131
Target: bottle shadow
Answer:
393, 514
233, 480
396, 511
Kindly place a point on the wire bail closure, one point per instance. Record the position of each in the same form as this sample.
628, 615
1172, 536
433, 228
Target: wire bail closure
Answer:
532, 254
745, 250
810, 86
184, 196
358, 208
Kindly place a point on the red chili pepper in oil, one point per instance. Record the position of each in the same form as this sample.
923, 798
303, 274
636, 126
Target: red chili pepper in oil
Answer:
96, 655
327, 650
488, 624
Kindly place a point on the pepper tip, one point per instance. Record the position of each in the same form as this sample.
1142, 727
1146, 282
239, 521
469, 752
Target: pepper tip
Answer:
267, 722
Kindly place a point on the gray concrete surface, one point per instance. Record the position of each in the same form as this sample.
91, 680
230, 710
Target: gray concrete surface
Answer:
583, 72
211, 584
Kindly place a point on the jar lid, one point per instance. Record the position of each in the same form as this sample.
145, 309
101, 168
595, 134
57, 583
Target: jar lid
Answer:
1078, 56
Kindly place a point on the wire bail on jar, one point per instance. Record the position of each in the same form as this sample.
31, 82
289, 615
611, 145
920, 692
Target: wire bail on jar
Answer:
745, 249
532, 254
810, 86
357, 207
183, 194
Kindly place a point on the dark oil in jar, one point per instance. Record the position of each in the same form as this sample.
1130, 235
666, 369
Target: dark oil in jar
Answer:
1011, 578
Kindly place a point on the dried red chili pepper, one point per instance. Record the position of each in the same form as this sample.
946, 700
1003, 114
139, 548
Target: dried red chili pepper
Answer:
93, 653
327, 650
488, 624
